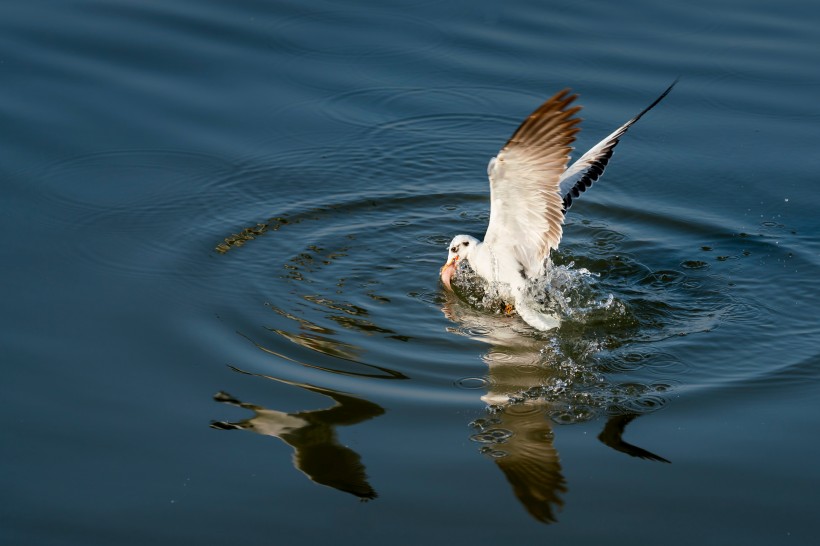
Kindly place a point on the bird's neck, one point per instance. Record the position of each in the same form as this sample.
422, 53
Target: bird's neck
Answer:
481, 260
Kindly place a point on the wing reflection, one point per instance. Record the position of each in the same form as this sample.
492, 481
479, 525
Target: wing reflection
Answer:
611, 436
517, 433
312, 435
519, 439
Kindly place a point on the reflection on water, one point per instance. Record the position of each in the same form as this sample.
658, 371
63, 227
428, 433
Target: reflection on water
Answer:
518, 437
339, 294
612, 436
312, 435
528, 385
318, 340
176, 172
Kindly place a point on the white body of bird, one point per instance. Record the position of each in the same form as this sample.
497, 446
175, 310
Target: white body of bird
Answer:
531, 188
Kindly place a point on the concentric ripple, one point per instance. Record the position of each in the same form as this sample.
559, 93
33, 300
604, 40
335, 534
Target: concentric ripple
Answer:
344, 286
352, 280
340, 287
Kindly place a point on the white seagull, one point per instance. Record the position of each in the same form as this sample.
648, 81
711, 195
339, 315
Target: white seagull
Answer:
531, 189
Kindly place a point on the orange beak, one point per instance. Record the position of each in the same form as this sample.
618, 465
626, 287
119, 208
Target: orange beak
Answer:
448, 271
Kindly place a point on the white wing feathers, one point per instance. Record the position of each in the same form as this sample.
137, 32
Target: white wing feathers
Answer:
526, 205
531, 187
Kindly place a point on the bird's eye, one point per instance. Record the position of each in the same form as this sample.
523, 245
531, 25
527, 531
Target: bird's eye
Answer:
453, 249
466, 243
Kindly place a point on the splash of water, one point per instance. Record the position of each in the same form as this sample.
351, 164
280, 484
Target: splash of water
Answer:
569, 293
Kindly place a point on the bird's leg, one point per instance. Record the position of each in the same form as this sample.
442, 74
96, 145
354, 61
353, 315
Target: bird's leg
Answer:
509, 309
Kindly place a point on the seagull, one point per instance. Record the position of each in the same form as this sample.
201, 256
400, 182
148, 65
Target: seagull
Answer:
531, 189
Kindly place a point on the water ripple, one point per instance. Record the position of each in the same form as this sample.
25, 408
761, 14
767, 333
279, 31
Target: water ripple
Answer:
360, 35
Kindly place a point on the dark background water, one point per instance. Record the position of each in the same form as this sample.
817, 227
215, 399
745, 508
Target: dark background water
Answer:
225, 217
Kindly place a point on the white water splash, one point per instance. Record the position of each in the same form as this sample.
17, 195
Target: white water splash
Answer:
563, 291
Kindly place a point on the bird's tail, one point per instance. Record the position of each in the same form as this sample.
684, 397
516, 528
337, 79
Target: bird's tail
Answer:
536, 319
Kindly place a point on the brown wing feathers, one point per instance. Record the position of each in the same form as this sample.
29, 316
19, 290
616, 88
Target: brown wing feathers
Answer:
551, 119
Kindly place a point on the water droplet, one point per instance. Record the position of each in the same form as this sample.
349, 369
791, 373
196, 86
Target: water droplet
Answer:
694, 264
492, 436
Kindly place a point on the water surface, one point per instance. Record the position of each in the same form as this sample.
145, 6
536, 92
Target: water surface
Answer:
223, 320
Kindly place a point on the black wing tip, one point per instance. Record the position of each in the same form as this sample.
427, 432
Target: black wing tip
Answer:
656, 101
666, 92
596, 169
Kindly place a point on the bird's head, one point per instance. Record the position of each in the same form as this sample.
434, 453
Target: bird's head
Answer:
461, 247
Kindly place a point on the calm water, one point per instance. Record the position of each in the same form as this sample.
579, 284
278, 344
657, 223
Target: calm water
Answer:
222, 319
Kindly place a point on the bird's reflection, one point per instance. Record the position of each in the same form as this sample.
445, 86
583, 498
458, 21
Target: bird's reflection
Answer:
312, 435
517, 432
519, 439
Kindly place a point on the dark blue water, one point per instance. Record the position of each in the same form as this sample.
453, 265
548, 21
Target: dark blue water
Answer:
222, 320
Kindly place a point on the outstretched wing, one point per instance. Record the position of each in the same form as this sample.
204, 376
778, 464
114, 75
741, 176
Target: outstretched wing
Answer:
526, 206
591, 165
